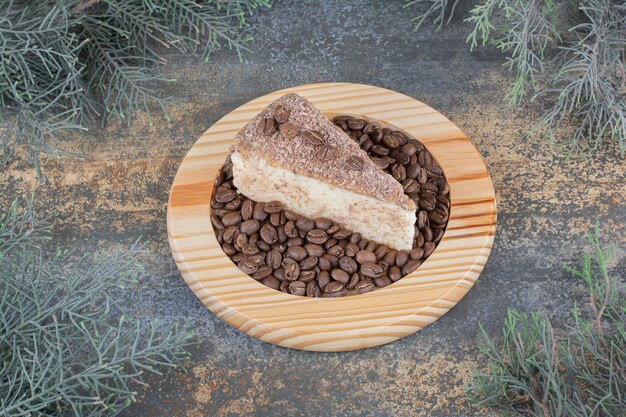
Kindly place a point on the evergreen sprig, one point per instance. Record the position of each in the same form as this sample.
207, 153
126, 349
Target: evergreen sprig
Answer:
66, 63
66, 347
580, 67
532, 371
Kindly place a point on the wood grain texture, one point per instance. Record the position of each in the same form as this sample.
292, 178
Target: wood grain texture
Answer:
353, 322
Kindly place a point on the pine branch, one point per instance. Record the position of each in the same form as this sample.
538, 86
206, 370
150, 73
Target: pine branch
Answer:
66, 347
66, 63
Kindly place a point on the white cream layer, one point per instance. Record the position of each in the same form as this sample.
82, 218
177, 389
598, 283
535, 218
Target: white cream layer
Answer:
376, 220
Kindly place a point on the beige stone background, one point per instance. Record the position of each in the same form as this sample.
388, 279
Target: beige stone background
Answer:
118, 193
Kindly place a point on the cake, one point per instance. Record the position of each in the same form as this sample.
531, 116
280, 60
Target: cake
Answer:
290, 152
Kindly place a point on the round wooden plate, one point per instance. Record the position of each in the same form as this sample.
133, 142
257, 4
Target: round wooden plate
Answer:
352, 322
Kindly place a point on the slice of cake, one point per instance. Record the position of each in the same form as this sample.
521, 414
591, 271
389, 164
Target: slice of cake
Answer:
292, 153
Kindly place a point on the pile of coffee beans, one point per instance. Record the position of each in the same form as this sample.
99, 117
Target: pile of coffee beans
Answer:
319, 258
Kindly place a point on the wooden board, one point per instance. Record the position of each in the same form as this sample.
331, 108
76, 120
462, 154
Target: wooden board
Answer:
353, 322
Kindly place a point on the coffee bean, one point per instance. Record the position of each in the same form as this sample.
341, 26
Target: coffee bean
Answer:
364, 286
444, 189
416, 253
400, 157
391, 141
250, 249
380, 251
273, 207
249, 227
341, 234
348, 264
248, 265
334, 261
429, 248
314, 138
336, 250
297, 288
282, 236
271, 282
419, 239
217, 223
371, 246
370, 127
281, 114
342, 125
246, 209
268, 234
323, 223
324, 264
335, 289
290, 229
230, 233
295, 241
297, 253
284, 286
424, 159
413, 170
410, 266
428, 234
398, 172
275, 219
356, 124
292, 269
402, 258
274, 258
314, 250
241, 240
259, 212
371, 270
382, 281
429, 187
267, 126
263, 246
410, 186
381, 163
288, 130
434, 217
229, 249
427, 202
323, 278
364, 256
409, 149
433, 169
367, 144
305, 224
340, 275
394, 273
422, 219
351, 249
317, 236
322, 152
309, 262
313, 290
355, 163
233, 205
279, 273
307, 276
438, 235
354, 279
379, 150
390, 257
262, 271
333, 229
224, 195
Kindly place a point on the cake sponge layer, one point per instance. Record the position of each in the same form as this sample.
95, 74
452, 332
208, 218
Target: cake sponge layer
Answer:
376, 220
